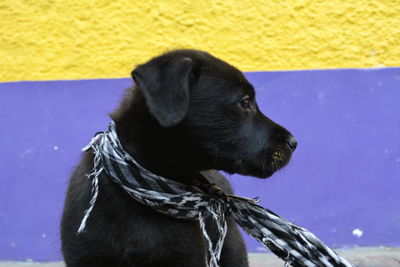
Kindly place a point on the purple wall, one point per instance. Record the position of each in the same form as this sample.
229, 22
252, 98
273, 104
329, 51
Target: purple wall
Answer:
345, 174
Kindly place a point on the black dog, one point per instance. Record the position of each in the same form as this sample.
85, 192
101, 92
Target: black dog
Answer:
189, 112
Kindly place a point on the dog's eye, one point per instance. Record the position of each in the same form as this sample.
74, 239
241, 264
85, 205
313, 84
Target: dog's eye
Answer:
245, 102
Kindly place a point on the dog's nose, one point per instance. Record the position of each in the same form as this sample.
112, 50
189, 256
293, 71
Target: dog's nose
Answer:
291, 142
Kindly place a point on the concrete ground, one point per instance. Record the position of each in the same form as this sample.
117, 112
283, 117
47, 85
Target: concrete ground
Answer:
360, 257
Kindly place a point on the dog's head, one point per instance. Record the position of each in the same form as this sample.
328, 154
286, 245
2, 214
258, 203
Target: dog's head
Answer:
210, 108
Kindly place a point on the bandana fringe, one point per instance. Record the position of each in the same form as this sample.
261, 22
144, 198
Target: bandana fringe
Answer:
217, 211
95, 182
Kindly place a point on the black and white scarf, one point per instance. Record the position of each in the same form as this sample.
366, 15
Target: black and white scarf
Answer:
295, 245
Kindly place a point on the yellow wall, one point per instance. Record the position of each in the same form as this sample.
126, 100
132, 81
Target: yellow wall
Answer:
70, 39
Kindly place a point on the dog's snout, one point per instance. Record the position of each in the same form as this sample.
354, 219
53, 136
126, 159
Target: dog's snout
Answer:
291, 142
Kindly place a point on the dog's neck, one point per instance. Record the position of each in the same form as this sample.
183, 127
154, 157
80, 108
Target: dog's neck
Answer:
149, 143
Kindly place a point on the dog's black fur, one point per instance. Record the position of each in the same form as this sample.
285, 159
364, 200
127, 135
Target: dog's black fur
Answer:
188, 114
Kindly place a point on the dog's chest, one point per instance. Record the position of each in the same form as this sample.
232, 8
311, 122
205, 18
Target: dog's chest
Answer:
155, 236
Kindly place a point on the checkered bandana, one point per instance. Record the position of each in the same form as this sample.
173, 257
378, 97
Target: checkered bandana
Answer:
204, 201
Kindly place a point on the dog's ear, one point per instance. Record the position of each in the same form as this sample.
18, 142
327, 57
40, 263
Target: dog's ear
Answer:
165, 86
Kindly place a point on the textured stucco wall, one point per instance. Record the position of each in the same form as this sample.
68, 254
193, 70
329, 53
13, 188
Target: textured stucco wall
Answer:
41, 39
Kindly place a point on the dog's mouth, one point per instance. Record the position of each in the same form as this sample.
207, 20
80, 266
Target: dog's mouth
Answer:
264, 165
279, 160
